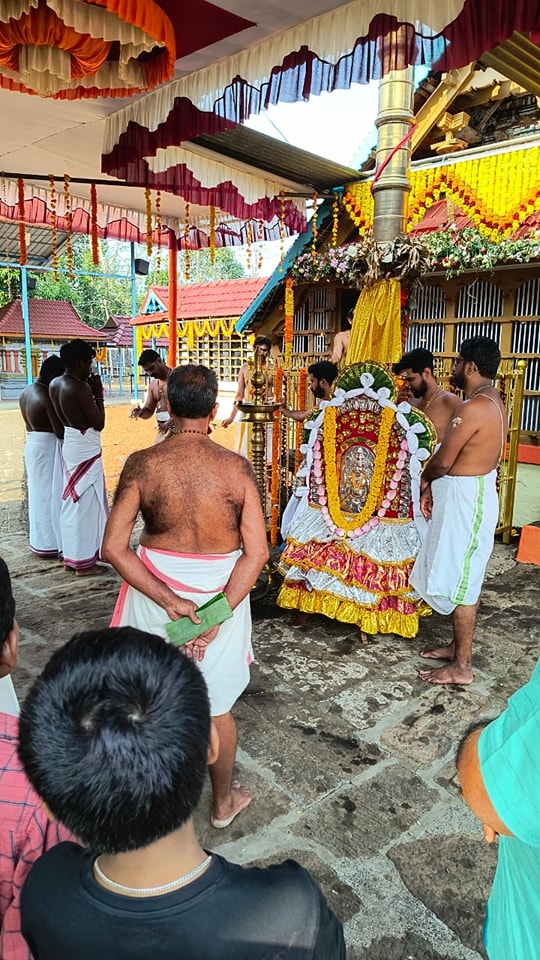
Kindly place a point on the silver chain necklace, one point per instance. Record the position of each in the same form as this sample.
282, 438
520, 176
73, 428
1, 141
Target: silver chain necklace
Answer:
150, 890
479, 390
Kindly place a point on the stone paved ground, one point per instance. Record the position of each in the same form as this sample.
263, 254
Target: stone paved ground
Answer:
350, 756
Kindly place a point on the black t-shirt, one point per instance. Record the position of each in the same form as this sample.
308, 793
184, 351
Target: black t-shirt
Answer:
228, 913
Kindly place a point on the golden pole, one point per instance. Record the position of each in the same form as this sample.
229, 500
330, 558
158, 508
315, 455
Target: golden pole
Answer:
394, 121
513, 431
259, 414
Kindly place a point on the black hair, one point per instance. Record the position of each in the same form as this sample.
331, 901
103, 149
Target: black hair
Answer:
76, 351
52, 367
262, 342
323, 370
114, 737
192, 391
484, 352
416, 360
7, 603
148, 356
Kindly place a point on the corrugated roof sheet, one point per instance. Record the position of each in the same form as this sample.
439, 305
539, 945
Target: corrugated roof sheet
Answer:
223, 298
54, 319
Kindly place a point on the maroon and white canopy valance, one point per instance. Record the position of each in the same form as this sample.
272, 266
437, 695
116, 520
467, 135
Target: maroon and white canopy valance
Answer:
355, 42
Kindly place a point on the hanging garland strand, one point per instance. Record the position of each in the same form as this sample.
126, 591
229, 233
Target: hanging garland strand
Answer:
158, 230
281, 229
54, 227
335, 221
212, 236
289, 323
274, 489
302, 401
315, 232
187, 255
22, 225
69, 236
94, 225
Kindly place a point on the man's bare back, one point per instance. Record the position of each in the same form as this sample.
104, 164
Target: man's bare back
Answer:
191, 494
38, 411
484, 419
440, 410
76, 403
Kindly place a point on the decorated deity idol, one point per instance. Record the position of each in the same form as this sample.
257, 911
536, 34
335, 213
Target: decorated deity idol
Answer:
353, 541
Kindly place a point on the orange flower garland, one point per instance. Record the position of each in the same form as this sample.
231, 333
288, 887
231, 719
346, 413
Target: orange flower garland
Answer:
22, 225
314, 230
212, 235
148, 205
302, 400
69, 236
289, 322
274, 488
158, 230
281, 229
94, 225
187, 255
260, 238
54, 227
249, 240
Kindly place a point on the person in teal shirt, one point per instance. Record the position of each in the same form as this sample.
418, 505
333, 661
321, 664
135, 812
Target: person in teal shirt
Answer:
499, 767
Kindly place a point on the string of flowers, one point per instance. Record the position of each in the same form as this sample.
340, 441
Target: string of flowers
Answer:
260, 238
187, 255
289, 322
281, 229
159, 229
335, 221
302, 400
22, 225
314, 230
148, 206
54, 227
274, 486
331, 510
249, 239
212, 235
94, 225
69, 225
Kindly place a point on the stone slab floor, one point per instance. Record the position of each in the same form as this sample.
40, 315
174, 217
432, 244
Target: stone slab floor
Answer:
351, 757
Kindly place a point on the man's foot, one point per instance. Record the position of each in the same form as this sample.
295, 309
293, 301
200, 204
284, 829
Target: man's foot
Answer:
439, 653
300, 619
452, 673
240, 798
364, 639
93, 571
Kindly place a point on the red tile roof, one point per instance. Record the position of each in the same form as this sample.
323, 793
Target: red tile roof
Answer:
223, 298
49, 319
118, 331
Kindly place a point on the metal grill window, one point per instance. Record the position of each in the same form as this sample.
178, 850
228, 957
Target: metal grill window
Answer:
480, 299
427, 335
429, 303
528, 299
481, 329
224, 355
530, 416
312, 326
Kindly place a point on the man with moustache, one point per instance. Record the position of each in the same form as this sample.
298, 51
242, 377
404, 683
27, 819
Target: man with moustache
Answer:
321, 376
459, 497
416, 370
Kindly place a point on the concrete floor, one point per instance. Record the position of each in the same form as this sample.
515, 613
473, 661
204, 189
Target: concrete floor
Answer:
351, 757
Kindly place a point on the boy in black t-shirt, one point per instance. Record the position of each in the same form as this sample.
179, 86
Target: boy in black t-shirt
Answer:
115, 737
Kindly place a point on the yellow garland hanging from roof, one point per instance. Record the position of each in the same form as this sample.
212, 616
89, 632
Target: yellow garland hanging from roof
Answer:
376, 492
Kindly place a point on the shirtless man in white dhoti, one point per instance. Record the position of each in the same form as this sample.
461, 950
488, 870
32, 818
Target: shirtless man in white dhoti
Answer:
459, 497
422, 391
77, 397
204, 532
43, 460
156, 396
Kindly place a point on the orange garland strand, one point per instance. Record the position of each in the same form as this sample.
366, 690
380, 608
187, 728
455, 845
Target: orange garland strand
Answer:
69, 237
281, 229
315, 232
22, 225
148, 204
187, 256
212, 235
274, 489
94, 225
289, 322
158, 230
54, 227
302, 399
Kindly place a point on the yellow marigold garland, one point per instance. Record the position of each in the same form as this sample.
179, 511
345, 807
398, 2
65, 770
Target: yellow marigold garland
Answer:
54, 227
94, 225
274, 488
69, 235
148, 205
314, 230
375, 495
212, 237
187, 254
289, 322
22, 225
335, 221
302, 400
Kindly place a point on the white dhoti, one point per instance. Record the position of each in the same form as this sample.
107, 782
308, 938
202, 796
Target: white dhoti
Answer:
84, 500
226, 662
8, 697
43, 461
450, 567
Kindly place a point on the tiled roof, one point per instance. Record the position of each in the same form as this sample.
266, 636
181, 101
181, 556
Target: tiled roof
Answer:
118, 331
224, 298
50, 319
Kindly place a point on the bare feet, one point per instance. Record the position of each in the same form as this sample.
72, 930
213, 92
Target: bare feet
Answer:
364, 639
94, 571
439, 653
452, 673
240, 798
